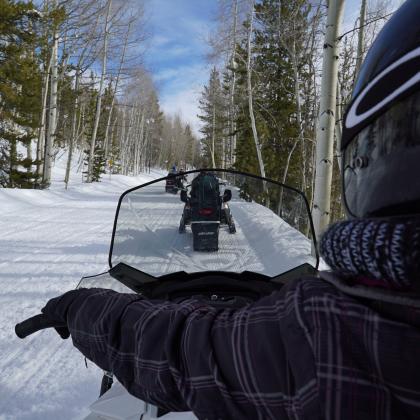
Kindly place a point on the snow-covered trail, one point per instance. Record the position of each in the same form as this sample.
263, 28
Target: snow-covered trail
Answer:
48, 241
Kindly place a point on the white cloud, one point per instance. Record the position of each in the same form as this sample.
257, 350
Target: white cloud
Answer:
185, 104
159, 41
178, 50
181, 89
165, 74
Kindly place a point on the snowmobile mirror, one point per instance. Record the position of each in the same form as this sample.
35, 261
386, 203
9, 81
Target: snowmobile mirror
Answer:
184, 197
227, 196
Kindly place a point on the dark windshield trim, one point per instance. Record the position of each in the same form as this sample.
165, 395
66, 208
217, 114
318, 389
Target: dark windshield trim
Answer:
216, 170
90, 277
138, 280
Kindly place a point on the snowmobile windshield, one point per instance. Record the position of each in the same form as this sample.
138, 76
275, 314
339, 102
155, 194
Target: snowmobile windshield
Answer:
204, 221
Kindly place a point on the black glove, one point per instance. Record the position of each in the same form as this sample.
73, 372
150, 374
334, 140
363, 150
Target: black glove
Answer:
63, 332
56, 310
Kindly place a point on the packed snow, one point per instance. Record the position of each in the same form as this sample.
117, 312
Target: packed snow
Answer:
52, 238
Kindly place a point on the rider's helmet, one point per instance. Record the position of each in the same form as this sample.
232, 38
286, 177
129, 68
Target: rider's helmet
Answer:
381, 130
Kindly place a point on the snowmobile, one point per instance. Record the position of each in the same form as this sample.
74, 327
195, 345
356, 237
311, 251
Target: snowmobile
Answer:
273, 244
174, 182
205, 210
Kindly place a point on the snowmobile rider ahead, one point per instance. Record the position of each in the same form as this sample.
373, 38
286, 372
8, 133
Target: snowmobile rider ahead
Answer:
207, 184
342, 346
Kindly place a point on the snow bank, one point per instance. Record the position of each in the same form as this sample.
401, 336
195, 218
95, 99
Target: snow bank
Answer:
48, 241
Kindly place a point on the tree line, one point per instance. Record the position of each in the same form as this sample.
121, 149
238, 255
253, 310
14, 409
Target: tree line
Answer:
71, 76
260, 106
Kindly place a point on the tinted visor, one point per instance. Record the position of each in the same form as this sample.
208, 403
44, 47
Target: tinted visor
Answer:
381, 165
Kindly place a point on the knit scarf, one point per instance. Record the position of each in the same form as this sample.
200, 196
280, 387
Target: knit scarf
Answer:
375, 252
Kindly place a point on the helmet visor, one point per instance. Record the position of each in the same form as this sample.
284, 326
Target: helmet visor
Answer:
381, 164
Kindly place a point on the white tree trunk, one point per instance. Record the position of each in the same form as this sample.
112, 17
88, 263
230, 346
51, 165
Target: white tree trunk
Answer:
233, 86
250, 99
213, 136
100, 93
43, 119
114, 93
138, 139
326, 120
111, 138
122, 138
299, 113
338, 127
286, 170
52, 120
73, 129
127, 147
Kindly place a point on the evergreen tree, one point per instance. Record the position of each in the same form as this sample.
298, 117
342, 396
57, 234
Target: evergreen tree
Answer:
191, 144
213, 115
99, 158
284, 121
99, 163
273, 97
19, 93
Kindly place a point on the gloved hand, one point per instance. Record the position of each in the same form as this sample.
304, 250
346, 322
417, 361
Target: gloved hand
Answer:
56, 310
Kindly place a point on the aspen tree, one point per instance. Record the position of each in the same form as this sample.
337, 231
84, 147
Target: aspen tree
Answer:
250, 96
100, 93
326, 122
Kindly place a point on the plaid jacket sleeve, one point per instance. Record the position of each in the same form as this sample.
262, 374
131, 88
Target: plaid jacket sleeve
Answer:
219, 363
305, 352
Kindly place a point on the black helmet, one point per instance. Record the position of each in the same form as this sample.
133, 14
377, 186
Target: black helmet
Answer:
381, 130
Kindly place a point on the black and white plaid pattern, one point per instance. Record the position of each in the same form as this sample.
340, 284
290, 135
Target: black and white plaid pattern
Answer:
305, 352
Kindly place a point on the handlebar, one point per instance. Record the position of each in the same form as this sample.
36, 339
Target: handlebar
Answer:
34, 324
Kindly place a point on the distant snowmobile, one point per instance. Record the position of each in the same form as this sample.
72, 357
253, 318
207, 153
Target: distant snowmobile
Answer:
271, 247
175, 182
205, 210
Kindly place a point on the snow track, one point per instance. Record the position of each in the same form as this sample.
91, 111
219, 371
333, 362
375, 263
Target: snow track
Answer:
48, 241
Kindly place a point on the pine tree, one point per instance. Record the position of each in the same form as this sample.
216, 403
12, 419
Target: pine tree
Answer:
19, 93
99, 162
213, 116
275, 104
99, 158
191, 144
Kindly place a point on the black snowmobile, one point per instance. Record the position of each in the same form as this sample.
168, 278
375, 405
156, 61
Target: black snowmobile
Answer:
148, 256
205, 210
174, 182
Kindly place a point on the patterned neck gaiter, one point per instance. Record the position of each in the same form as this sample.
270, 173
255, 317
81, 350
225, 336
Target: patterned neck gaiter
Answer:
375, 252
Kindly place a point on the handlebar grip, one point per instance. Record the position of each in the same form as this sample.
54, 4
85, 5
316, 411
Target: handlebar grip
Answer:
34, 324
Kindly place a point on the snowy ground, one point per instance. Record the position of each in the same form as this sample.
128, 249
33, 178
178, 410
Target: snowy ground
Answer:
48, 241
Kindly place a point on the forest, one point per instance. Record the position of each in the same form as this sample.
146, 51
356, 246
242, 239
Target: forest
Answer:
72, 76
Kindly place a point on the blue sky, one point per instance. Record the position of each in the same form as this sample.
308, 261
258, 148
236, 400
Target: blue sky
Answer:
176, 54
